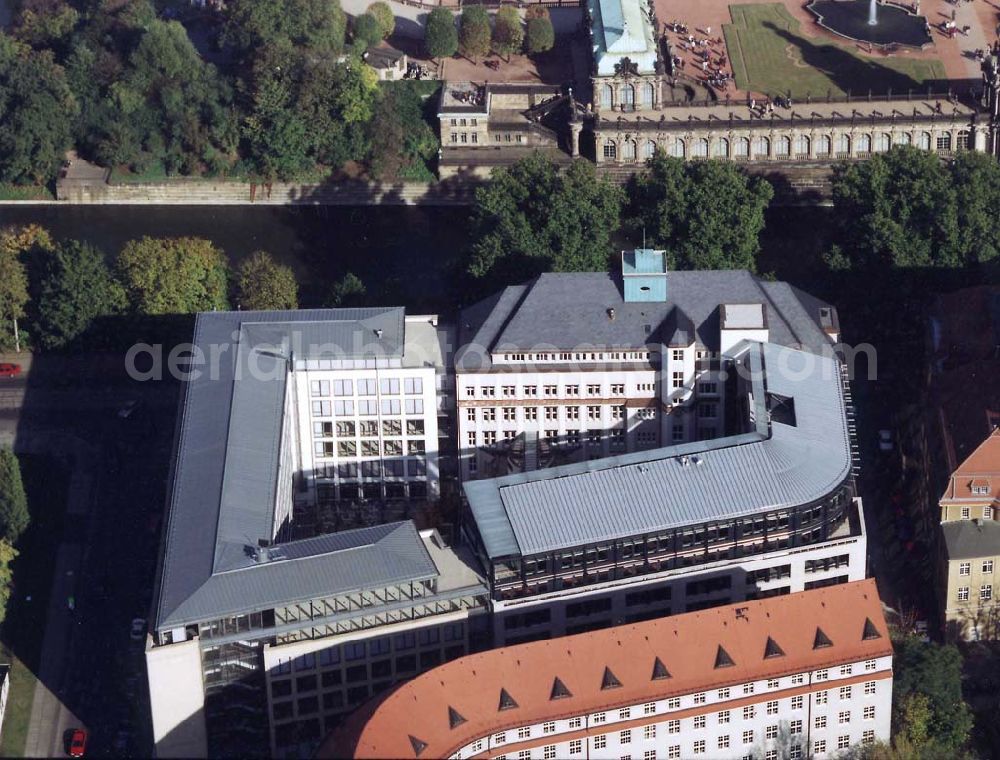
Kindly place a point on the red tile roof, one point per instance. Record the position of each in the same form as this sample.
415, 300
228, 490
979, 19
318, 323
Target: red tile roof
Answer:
632, 664
980, 468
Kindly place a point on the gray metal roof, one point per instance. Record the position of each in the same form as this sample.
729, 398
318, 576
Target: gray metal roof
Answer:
969, 539
779, 465
224, 475
570, 310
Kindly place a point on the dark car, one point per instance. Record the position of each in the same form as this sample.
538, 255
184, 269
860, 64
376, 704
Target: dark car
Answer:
78, 743
10, 370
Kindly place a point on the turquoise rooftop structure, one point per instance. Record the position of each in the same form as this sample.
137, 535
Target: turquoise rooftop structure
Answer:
644, 275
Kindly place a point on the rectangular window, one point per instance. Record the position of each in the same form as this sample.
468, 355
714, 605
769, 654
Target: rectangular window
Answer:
748, 688
985, 592
869, 713
797, 703
600, 741
576, 747
820, 721
868, 737
869, 687
530, 413
699, 721
987, 566
322, 408
748, 712
625, 737
674, 703
575, 722
724, 716
699, 747
844, 741
963, 593
549, 728
819, 746
748, 736
549, 753
319, 387
724, 741
795, 726
649, 732
964, 568
674, 750
649, 708
699, 698
844, 716
820, 697
771, 732
822, 675
772, 708
845, 692
677, 379
673, 727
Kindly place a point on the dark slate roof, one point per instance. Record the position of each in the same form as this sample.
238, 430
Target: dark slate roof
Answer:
778, 465
570, 311
224, 476
969, 539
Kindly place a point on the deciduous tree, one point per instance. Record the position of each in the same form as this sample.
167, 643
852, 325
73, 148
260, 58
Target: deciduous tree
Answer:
898, 209
508, 31
74, 287
706, 214
385, 17
37, 110
174, 275
14, 515
7, 556
15, 243
264, 284
367, 32
440, 36
474, 34
534, 218
541, 35
349, 291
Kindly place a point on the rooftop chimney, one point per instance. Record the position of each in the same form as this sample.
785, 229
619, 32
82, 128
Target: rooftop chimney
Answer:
611, 314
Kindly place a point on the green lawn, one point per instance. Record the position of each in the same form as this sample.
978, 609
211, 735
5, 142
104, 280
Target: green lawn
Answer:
771, 55
10, 192
45, 482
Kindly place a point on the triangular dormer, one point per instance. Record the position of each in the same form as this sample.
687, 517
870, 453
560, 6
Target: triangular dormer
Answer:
418, 745
506, 701
772, 649
722, 658
609, 680
454, 717
870, 631
559, 690
821, 640
659, 670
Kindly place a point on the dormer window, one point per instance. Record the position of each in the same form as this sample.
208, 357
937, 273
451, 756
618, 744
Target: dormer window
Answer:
981, 490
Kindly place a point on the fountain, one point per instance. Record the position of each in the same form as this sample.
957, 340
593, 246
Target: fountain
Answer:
888, 25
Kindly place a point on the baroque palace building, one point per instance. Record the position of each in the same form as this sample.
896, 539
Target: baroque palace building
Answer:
806, 675
639, 104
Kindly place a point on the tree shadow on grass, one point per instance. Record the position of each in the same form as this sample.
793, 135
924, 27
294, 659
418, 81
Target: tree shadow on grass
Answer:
850, 73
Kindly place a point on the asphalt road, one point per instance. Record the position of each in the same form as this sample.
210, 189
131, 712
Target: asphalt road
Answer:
91, 673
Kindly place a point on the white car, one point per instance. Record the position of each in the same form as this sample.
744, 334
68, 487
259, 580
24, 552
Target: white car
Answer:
138, 629
885, 440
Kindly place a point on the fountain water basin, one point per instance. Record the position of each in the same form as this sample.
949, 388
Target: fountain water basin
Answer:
879, 23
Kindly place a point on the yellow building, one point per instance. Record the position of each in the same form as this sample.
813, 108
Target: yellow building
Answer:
971, 545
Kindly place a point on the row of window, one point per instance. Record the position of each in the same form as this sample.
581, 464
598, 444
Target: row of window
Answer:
368, 428
698, 747
570, 389
530, 413
964, 568
781, 147
580, 356
388, 386
987, 511
985, 593
616, 437
389, 448
367, 408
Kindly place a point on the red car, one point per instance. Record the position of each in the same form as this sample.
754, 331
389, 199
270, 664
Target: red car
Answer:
10, 370
78, 743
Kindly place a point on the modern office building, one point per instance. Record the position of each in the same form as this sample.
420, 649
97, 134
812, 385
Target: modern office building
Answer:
806, 675
577, 366
971, 547
768, 509
294, 425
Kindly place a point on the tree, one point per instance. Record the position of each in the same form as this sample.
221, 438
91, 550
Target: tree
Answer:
14, 278
533, 218
385, 17
7, 556
976, 179
14, 516
706, 214
173, 275
276, 136
541, 36
263, 284
318, 25
898, 209
347, 292
440, 37
73, 288
402, 142
45, 23
933, 673
474, 32
508, 32
367, 32
38, 110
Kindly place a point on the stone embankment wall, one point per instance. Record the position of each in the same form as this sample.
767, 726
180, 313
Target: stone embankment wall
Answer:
454, 191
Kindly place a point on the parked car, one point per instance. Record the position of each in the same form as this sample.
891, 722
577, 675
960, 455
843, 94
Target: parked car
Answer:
78, 743
138, 629
885, 440
10, 370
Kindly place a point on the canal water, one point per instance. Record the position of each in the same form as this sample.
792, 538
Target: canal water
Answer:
402, 254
